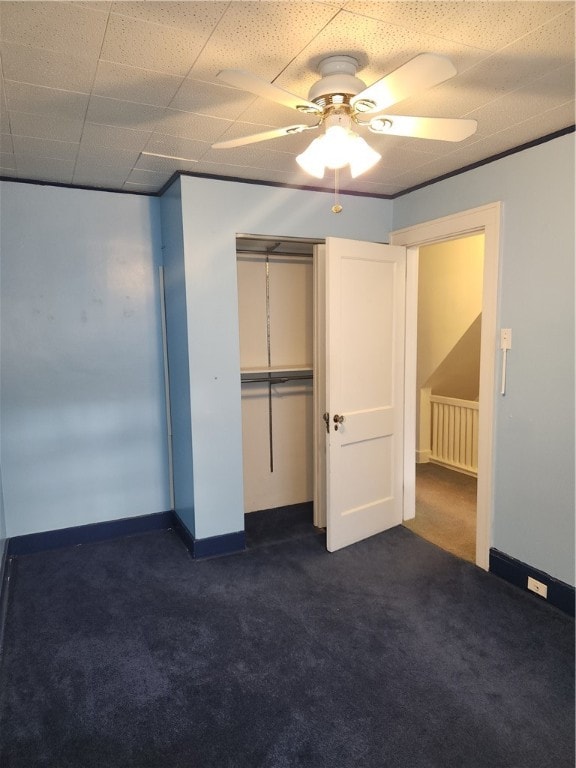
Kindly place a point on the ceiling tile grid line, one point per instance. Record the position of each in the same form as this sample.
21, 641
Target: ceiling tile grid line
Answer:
94, 84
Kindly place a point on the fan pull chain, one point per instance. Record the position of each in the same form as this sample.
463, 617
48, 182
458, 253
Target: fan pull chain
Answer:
336, 208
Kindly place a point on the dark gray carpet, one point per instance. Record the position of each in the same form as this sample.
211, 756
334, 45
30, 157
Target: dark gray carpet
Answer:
273, 526
389, 654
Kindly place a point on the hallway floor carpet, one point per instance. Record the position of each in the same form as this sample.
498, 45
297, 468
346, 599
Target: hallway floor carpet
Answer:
446, 509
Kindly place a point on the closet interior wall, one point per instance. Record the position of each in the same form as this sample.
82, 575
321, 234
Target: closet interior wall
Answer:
275, 304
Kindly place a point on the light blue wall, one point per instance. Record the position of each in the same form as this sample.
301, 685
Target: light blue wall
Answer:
82, 406
534, 430
83, 420
214, 212
178, 359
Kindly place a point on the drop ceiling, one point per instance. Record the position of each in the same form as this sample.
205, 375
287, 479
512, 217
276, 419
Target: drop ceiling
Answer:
86, 87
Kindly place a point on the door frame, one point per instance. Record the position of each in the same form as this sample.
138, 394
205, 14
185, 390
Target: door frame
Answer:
485, 219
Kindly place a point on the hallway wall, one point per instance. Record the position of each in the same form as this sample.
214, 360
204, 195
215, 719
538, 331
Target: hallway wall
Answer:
449, 300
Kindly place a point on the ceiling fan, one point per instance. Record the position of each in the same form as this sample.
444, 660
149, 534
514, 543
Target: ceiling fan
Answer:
340, 100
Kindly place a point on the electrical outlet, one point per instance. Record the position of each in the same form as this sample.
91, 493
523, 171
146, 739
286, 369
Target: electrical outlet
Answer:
538, 587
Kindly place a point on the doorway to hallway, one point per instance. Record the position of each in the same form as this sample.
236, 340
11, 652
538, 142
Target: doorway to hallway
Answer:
485, 219
449, 324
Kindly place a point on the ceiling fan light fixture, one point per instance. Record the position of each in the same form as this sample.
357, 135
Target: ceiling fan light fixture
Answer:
362, 156
336, 148
312, 161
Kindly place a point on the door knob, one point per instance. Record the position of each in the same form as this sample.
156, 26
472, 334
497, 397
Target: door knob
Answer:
337, 420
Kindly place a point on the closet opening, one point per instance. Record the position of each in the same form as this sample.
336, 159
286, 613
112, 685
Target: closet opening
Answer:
276, 324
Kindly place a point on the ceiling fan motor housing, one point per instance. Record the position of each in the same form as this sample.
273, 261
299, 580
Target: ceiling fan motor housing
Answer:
338, 78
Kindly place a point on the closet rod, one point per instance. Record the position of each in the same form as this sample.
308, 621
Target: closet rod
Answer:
277, 379
266, 254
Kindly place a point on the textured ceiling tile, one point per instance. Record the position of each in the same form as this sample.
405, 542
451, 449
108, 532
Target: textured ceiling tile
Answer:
36, 99
551, 47
63, 27
54, 169
552, 43
395, 161
4, 117
256, 156
237, 172
114, 137
164, 165
141, 176
103, 6
533, 128
46, 126
414, 15
86, 166
491, 25
7, 161
119, 81
147, 97
6, 144
197, 17
125, 114
150, 46
52, 69
536, 98
44, 148
211, 99
261, 37
432, 170
370, 188
4, 121
87, 174
148, 188
104, 178
91, 154
191, 126
188, 149
481, 87
295, 177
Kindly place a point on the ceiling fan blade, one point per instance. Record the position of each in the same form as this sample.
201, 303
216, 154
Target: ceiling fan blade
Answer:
416, 75
246, 81
440, 128
264, 136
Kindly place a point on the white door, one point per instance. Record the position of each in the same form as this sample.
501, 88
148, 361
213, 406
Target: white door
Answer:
364, 372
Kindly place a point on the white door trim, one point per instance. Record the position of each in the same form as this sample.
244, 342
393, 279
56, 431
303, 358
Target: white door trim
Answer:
485, 219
